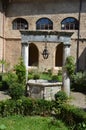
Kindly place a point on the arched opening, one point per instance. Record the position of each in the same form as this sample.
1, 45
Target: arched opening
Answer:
33, 55
59, 55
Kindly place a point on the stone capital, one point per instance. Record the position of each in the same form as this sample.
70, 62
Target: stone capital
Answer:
66, 44
25, 44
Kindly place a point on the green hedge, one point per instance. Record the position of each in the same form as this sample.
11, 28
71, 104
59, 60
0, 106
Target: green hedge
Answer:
25, 106
73, 116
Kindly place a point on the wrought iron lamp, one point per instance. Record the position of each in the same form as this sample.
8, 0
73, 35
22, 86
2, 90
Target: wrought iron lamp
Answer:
45, 52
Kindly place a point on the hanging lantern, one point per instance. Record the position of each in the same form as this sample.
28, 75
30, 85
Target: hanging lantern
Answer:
45, 52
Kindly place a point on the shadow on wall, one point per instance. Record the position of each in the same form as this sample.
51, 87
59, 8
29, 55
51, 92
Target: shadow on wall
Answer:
45, 7
82, 60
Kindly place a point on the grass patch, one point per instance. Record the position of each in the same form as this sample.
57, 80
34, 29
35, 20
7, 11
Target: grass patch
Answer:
31, 123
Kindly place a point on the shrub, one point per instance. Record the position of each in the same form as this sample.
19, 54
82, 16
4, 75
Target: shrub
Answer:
7, 79
7, 108
59, 78
45, 76
1, 84
49, 72
36, 76
21, 71
59, 72
79, 82
25, 106
16, 90
0, 77
70, 66
54, 77
10, 78
4, 85
28, 106
30, 76
80, 126
72, 115
61, 97
43, 107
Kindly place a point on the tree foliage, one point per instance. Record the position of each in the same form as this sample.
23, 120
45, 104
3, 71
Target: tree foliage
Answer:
21, 71
70, 65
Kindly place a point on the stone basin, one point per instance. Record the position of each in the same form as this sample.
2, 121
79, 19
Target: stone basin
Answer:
43, 89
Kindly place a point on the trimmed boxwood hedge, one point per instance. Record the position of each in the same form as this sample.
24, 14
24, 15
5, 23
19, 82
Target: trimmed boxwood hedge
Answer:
25, 106
73, 116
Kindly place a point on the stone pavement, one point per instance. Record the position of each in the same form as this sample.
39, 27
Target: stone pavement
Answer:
78, 99
4, 95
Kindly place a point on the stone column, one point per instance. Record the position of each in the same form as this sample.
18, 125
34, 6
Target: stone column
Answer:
25, 57
66, 79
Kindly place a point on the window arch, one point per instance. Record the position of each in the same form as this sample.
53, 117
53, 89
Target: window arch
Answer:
19, 23
44, 24
69, 24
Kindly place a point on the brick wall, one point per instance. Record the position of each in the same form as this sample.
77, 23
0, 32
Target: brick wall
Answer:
56, 10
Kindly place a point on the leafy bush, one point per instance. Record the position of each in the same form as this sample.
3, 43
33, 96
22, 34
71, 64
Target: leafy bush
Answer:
7, 79
10, 78
4, 85
30, 76
59, 76
72, 116
45, 76
80, 126
16, 90
43, 107
36, 76
61, 97
21, 71
79, 82
54, 77
49, 72
25, 106
0, 77
28, 106
7, 108
59, 72
70, 66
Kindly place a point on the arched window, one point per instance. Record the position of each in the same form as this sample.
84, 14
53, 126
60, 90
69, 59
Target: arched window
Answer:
44, 24
70, 24
19, 23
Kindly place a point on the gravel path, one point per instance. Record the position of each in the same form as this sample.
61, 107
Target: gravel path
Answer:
78, 99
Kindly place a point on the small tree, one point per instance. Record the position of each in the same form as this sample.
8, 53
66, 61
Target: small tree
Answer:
61, 97
70, 66
16, 91
21, 71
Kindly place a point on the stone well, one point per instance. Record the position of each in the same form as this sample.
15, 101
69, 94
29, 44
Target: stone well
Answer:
43, 89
